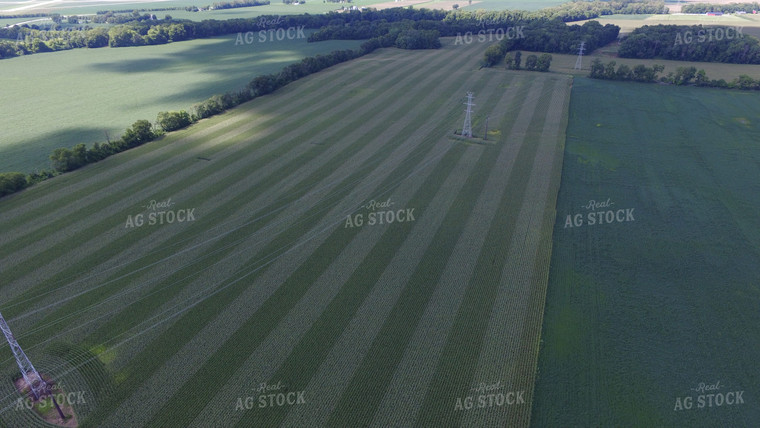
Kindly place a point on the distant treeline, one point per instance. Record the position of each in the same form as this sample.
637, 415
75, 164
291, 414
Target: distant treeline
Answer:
238, 3
142, 30
691, 43
554, 37
68, 159
682, 76
25, 40
726, 8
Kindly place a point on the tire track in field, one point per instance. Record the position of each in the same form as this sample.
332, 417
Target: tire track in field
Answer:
413, 374
96, 243
368, 151
504, 341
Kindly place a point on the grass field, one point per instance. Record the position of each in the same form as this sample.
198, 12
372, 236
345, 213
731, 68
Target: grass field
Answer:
64, 98
640, 313
377, 324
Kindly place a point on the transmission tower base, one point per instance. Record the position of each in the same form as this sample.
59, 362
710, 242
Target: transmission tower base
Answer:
49, 406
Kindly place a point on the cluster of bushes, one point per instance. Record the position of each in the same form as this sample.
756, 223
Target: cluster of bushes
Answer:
553, 37
513, 61
682, 76
725, 8
691, 43
11, 182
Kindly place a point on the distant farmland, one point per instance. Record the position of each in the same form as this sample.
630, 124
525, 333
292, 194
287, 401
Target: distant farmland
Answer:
642, 313
283, 275
64, 98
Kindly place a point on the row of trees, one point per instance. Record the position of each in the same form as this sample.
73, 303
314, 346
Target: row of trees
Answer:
639, 73
726, 8
553, 37
691, 43
682, 76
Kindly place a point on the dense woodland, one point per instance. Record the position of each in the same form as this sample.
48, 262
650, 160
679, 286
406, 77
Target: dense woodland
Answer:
691, 43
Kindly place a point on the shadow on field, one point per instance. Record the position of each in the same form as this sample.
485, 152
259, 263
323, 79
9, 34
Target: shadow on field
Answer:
33, 154
216, 56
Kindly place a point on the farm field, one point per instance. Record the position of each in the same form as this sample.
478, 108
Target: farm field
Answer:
646, 312
64, 98
288, 279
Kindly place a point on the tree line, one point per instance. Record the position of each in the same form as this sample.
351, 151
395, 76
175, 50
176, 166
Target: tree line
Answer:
725, 8
682, 76
691, 43
143, 131
141, 30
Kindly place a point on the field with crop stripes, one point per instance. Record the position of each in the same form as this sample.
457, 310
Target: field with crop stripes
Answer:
330, 244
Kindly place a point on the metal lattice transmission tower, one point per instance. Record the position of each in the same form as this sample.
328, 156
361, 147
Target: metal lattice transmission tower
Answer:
467, 128
30, 374
579, 61
32, 377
